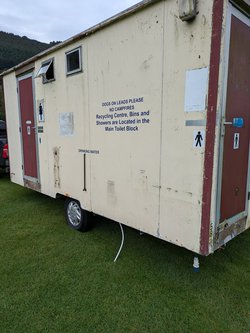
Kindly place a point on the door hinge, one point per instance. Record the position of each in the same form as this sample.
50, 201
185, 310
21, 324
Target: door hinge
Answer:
22, 166
248, 196
20, 129
17, 90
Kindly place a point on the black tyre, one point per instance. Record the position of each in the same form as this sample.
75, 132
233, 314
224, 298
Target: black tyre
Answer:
76, 217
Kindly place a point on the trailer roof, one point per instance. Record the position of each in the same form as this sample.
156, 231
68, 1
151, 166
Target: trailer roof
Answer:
129, 11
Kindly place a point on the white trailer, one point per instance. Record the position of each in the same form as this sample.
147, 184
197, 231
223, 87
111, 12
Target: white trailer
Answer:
143, 119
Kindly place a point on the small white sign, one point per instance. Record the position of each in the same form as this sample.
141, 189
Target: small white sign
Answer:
66, 122
199, 139
40, 111
236, 140
196, 90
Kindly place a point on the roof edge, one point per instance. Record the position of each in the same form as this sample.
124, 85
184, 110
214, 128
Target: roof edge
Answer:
115, 18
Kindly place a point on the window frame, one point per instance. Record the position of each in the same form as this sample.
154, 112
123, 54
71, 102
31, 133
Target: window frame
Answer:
78, 70
48, 62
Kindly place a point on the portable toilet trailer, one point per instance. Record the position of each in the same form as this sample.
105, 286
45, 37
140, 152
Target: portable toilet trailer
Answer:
144, 119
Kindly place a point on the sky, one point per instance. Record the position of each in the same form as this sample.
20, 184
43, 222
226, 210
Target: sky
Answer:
56, 20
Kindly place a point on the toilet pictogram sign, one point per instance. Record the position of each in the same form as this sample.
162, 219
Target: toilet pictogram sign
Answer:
199, 139
236, 140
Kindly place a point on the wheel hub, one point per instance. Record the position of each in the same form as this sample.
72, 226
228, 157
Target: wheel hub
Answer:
74, 213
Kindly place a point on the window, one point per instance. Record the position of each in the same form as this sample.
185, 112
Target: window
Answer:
74, 61
47, 71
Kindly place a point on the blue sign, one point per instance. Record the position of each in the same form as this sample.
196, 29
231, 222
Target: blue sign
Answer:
238, 122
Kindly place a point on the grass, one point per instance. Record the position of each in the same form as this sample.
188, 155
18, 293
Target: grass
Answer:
54, 279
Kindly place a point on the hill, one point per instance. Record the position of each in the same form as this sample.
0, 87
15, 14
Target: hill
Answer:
15, 49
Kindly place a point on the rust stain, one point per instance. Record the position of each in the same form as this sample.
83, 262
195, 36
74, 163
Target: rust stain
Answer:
32, 185
56, 154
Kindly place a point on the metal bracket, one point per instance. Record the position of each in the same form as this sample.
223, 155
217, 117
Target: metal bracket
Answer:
187, 9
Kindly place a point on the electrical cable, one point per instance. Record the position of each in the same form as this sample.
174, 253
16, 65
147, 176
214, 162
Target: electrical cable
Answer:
122, 242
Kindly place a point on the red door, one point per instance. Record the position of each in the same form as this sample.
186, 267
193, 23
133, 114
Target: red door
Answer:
236, 140
26, 100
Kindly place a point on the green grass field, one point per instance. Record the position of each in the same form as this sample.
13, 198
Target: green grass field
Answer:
54, 279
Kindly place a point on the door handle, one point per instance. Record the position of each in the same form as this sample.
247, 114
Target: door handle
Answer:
223, 125
237, 122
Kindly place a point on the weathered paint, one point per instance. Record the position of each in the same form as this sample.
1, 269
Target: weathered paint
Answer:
28, 126
228, 229
151, 177
236, 140
56, 153
14, 142
211, 123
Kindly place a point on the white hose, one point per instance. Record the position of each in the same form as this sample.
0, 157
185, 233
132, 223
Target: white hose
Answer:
121, 246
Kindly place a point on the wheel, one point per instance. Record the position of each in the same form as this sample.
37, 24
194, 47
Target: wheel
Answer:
76, 217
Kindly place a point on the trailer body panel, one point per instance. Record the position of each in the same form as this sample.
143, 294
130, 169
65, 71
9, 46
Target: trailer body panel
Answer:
135, 131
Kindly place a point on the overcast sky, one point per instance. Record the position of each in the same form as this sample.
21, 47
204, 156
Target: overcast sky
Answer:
54, 20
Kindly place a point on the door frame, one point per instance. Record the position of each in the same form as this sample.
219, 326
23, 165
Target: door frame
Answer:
231, 11
18, 79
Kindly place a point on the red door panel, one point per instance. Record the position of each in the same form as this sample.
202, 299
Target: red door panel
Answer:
28, 127
235, 161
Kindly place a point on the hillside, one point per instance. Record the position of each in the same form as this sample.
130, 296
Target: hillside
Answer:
13, 50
